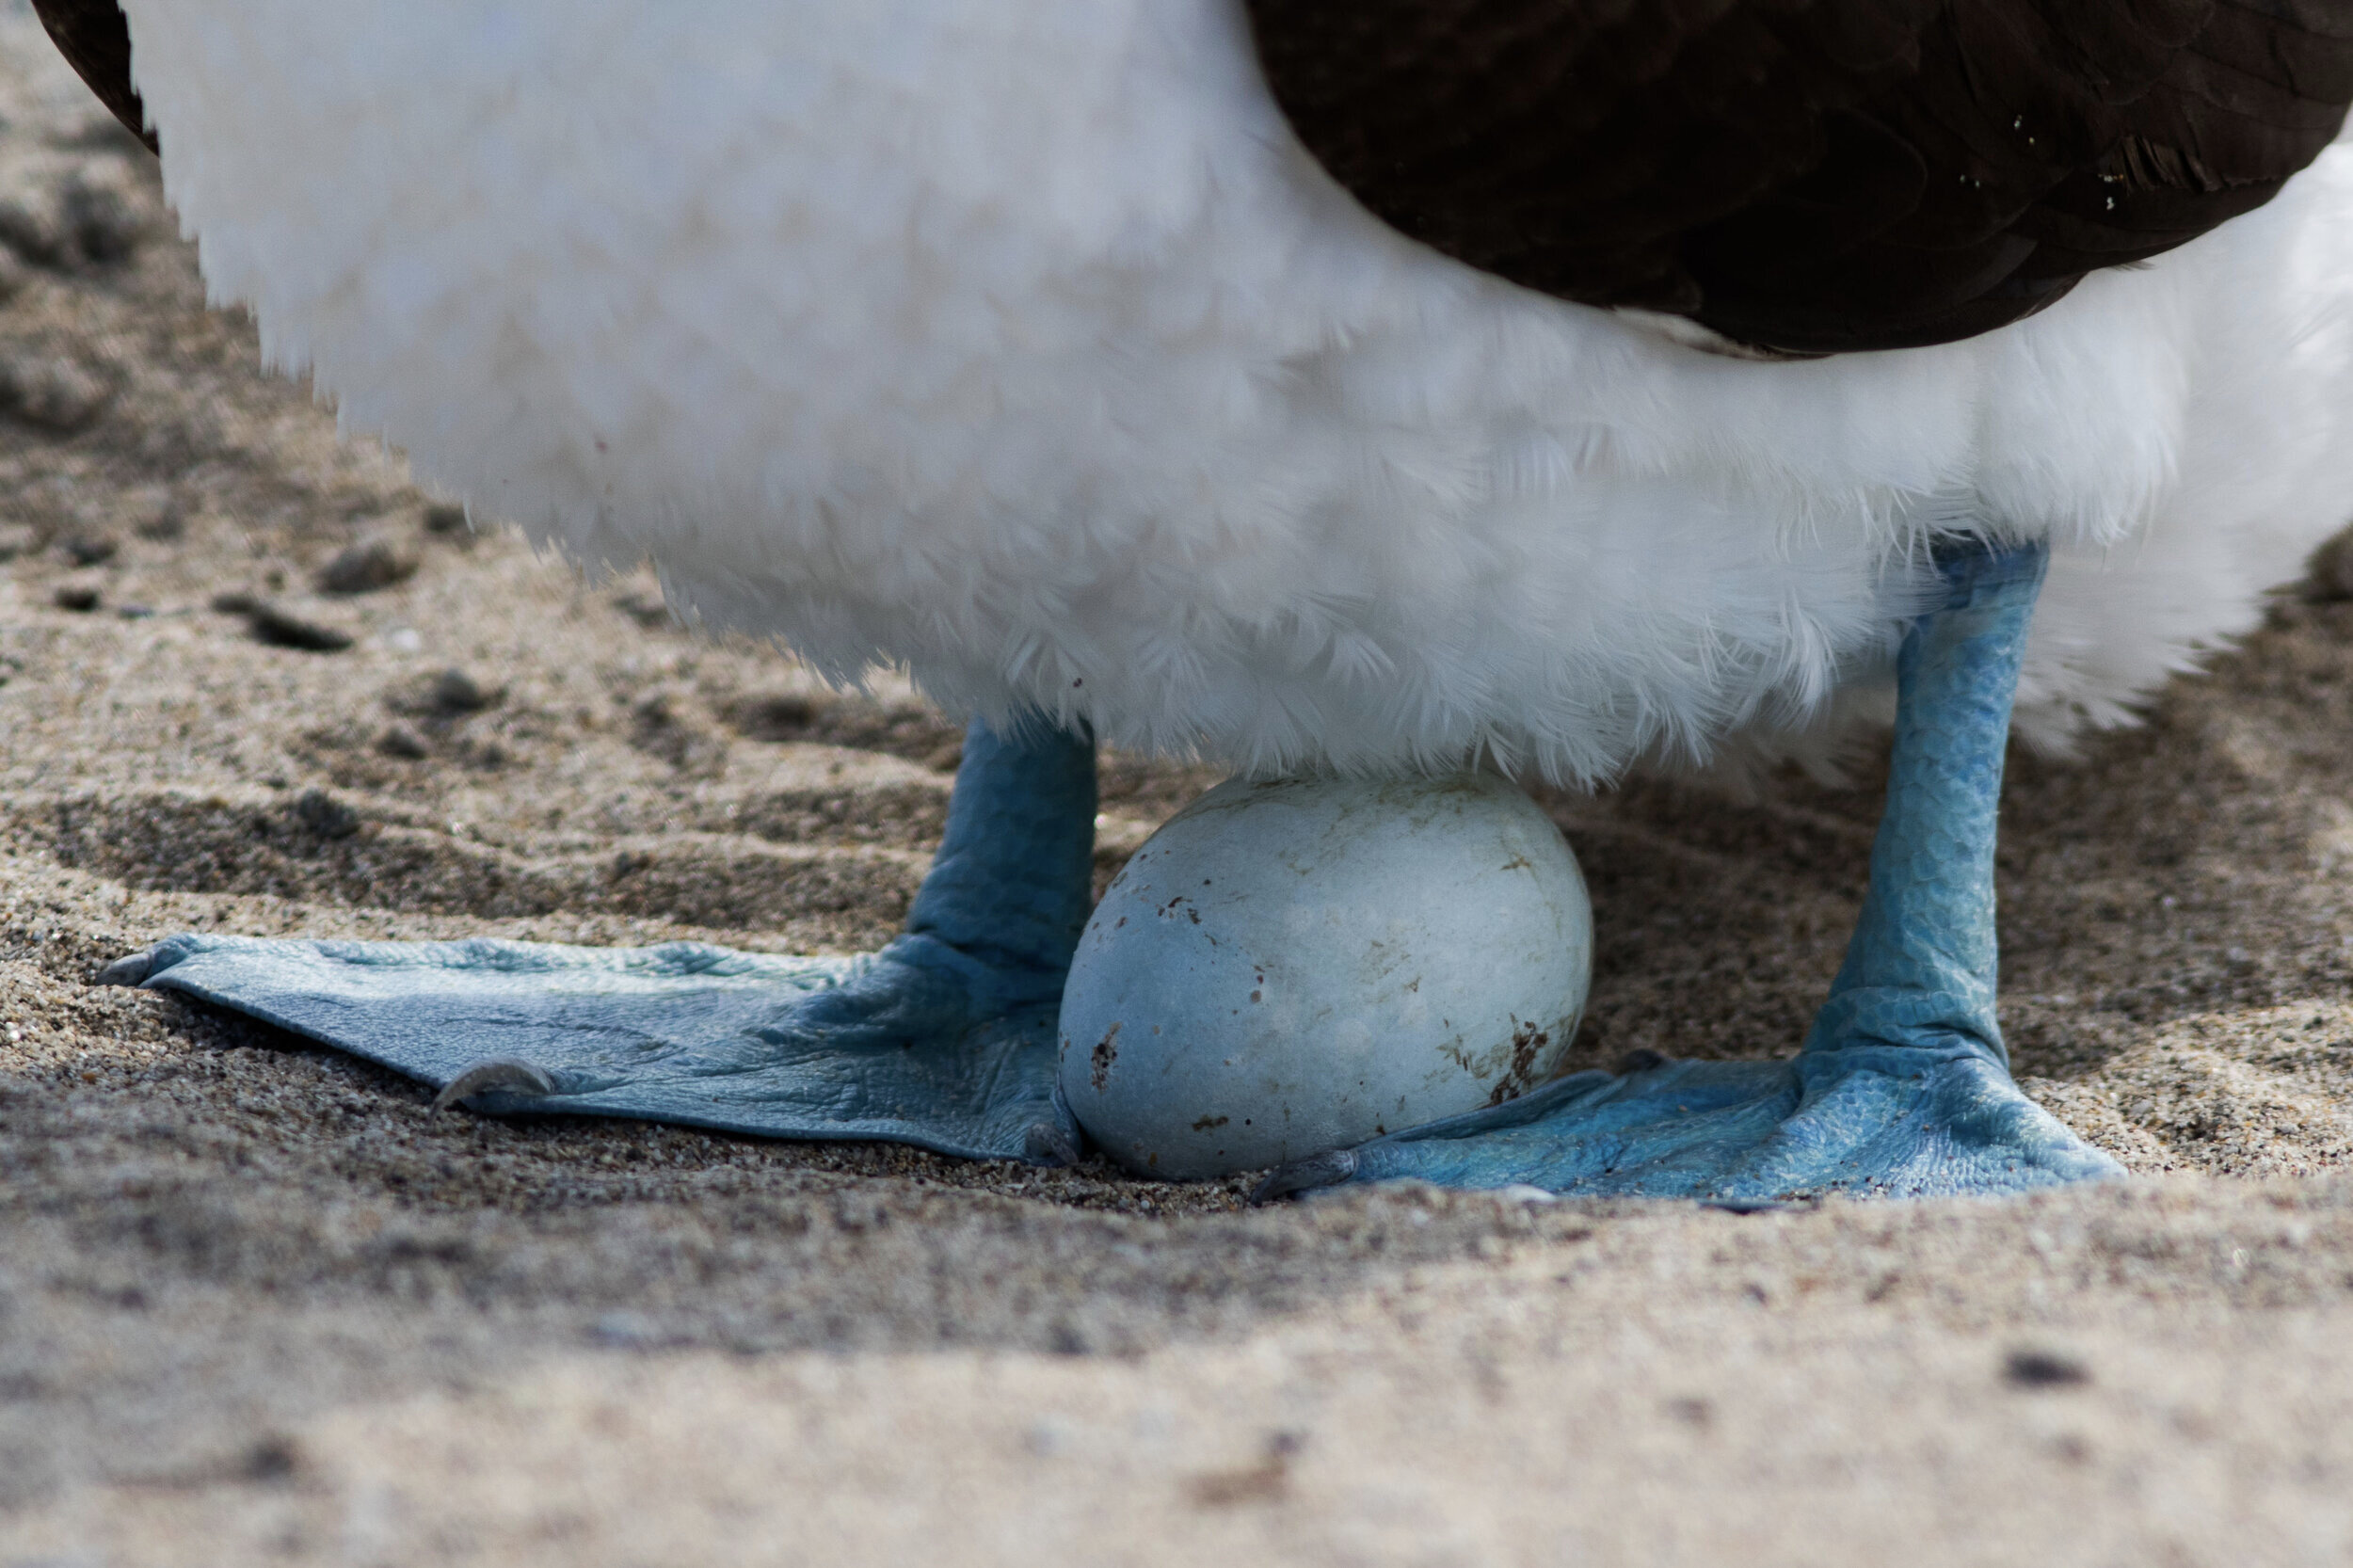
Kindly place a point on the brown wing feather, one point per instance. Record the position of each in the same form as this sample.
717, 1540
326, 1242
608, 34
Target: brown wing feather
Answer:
96, 43
1806, 175
1810, 175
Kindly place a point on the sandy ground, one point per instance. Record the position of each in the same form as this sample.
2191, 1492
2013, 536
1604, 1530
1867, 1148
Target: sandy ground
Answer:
257, 1305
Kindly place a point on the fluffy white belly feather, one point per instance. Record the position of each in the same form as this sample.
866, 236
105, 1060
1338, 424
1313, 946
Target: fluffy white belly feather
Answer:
1018, 341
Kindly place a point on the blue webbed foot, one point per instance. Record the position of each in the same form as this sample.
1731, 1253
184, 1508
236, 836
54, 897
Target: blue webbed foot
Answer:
1855, 1122
945, 1038
1903, 1086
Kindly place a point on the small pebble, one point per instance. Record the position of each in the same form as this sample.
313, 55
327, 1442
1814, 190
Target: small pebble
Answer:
783, 717
271, 1459
2042, 1368
401, 741
78, 597
281, 629
103, 210
372, 563
55, 393
96, 213
455, 692
326, 816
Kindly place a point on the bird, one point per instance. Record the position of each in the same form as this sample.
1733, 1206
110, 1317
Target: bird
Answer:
1560, 387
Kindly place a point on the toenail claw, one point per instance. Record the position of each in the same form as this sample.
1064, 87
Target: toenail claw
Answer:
1328, 1169
132, 969
506, 1073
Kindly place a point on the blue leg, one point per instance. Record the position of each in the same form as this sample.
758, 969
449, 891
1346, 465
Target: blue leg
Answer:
1904, 1085
945, 1038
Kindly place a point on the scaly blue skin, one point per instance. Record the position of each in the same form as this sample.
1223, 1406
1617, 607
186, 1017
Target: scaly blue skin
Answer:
944, 1039
1902, 1087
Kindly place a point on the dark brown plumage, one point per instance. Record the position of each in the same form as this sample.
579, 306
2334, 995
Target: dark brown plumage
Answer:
96, 43
1810, 175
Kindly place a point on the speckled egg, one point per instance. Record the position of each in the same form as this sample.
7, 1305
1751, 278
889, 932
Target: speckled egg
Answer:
1296, 966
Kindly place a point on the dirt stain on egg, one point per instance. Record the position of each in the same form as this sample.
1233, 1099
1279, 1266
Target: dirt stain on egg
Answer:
1527, 1042
1099, 1061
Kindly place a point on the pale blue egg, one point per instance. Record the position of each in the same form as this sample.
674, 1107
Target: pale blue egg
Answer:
1295, 966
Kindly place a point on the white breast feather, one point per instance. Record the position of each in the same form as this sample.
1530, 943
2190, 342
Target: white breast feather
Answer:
1018, 341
